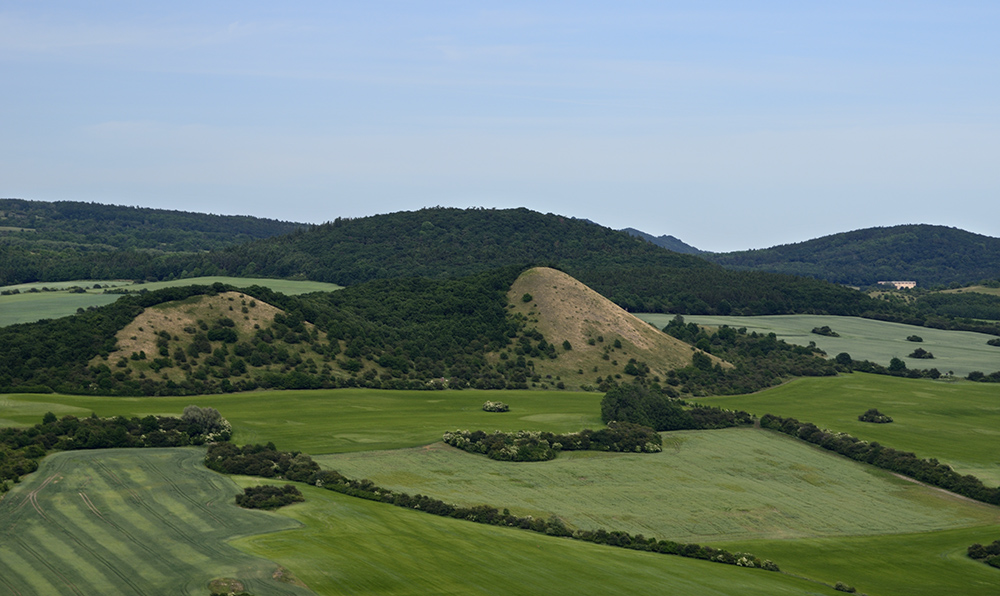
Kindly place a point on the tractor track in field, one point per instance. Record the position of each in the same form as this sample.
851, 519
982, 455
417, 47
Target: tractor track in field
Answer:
52, 568
177, 489
142, 504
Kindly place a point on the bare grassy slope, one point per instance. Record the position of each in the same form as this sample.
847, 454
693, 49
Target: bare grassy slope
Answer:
564, 309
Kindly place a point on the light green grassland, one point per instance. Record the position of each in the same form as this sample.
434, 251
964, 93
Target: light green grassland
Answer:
129, 521
331, 421
705, 486
930, 564
352, 546
28, 307
958, 351
956, 422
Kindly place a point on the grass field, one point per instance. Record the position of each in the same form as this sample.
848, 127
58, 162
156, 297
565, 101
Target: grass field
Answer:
351, 546
28, 307
929, 564
130, 521
958, 423
330, 421
958, 351
705, 486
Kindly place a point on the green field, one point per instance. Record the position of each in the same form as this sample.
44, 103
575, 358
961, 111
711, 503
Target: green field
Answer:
130, 521
864, 339
27, 307
351, 546
331, 421
956, 422
706, 486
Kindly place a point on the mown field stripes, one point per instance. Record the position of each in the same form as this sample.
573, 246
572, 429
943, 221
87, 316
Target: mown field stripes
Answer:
130, 521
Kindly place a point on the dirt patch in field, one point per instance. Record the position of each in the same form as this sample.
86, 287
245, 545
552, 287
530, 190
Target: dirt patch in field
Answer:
283, 575
226, 585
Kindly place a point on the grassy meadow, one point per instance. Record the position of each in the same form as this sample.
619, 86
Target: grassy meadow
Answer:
332, 421
958, 351
130, 521
705, 486
956, 422
32, 306
818, 515
352, 546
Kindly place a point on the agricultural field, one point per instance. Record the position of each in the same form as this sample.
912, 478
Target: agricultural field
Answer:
352, 546
332, 421
959, 352
956, 422
130, 521
28, 306
720, 485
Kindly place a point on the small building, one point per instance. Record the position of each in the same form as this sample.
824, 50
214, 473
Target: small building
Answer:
899, 285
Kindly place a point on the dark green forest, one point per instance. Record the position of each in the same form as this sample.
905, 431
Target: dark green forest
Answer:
929, 255
65, 240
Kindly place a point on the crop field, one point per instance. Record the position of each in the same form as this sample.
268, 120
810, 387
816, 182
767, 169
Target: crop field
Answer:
27, 307
705, 486
130, 521
960, 352
331, 421
956, 422
352, 546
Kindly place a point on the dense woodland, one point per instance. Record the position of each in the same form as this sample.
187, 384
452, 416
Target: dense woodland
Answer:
929, 255
67, 240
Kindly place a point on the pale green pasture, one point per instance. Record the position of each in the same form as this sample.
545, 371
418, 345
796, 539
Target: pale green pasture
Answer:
352, 546
337, 420
958, 351
929, 564
955, 422
129, 521
705, 486
28, 307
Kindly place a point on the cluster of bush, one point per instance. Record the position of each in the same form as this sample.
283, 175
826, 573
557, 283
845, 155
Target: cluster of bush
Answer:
652, 407
873, 415
825, 330
269, 497
929, 471
542, 446
495, 406
22, 448
221, 457
989, 554
261, 460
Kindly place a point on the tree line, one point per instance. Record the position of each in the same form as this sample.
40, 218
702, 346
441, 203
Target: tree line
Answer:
543, 446
929, 471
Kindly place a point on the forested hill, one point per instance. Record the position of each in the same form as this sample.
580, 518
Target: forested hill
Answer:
445, 242
92, 224
666, 241
929, 255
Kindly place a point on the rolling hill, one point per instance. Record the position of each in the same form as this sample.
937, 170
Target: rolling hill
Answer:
930, 255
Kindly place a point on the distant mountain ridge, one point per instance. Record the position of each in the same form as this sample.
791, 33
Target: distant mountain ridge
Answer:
665, 241
928, 254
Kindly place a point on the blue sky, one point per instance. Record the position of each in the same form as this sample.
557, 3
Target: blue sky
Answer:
730, 125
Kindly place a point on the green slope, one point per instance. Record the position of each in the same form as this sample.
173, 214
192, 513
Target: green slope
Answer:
927, 254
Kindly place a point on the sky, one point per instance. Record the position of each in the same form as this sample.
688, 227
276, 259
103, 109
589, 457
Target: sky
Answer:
730, 125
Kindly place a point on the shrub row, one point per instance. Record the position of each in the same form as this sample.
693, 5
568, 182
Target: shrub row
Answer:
542, 446
219, 456
930, 471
